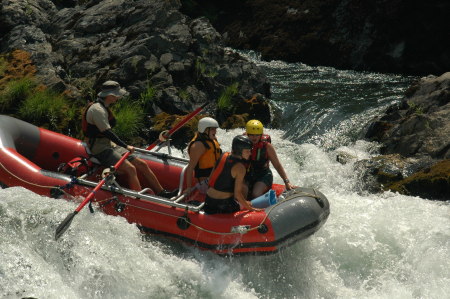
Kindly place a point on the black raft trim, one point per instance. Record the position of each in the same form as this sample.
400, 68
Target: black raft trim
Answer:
289, 239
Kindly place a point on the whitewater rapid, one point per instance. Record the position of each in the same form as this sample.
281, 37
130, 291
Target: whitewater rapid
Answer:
372, 246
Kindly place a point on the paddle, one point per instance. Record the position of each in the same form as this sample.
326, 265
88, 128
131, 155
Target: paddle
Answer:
66, 223
178, 126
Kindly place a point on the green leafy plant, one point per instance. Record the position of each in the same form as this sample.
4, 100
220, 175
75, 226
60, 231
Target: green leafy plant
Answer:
418, 109
224, 102
147, 97
184, 95
200, 68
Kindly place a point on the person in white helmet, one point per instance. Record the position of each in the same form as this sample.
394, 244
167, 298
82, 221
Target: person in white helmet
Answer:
204, 150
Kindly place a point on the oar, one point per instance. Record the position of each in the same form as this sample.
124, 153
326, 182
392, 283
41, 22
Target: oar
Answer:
178, 126
66, 223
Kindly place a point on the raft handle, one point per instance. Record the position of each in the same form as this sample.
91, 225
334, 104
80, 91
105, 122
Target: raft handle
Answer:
262, 229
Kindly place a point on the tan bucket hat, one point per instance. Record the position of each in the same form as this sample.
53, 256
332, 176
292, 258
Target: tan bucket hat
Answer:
111, 88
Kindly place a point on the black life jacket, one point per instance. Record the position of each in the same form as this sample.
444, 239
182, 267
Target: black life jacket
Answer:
221, 178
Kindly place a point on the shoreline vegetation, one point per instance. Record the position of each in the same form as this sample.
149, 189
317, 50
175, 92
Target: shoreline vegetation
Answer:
22, 95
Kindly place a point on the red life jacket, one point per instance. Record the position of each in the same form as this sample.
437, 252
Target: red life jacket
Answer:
76, 167
260, 158
91, 130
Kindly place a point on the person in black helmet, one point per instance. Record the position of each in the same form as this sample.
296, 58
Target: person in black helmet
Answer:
226, 183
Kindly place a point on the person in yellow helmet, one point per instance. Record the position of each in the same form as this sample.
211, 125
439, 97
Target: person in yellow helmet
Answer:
259, 176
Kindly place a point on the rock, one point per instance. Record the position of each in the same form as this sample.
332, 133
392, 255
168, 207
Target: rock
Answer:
432, 182
383, 170
30, 13
344, 157
203, 32
417, 129
419, 126
384, 36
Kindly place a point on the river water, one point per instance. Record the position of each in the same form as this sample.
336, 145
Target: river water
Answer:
373, 245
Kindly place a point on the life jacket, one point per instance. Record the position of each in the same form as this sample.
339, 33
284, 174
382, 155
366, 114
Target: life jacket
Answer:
76, 167
260, 158
90, 130
221, 179
210, 156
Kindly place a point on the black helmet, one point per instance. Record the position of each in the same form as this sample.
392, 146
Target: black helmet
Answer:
240, 142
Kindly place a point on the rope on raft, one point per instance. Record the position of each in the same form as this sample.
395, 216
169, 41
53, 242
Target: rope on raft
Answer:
74, 180
69, 185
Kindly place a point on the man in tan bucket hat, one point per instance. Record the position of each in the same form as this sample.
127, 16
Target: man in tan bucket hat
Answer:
108, 148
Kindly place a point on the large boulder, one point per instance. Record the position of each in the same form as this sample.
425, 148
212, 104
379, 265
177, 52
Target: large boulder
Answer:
417, 132
419, 125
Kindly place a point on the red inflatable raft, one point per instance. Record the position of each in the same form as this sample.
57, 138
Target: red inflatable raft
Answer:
39, 160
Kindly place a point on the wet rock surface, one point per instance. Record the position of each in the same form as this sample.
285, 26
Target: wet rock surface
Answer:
415, 141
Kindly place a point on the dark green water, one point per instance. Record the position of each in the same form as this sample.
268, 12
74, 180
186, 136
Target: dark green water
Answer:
329, 107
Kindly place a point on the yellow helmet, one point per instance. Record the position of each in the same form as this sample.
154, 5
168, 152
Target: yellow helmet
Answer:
254, 127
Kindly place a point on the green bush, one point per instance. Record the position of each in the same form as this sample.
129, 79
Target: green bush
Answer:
44, 106
130, 119
15, 92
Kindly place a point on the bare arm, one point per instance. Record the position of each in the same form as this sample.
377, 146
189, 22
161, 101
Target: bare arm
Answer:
277, 165
195, 152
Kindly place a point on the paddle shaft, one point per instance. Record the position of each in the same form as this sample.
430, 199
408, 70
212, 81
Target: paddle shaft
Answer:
179, 125
101, 183
68, 220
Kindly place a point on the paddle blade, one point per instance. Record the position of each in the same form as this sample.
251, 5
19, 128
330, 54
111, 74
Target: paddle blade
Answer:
64, 225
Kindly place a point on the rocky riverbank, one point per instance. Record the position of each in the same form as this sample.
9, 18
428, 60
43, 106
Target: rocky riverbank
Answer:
141, 44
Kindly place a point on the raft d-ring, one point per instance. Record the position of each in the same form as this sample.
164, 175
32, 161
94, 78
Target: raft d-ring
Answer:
263, 229
183, 222
119, 206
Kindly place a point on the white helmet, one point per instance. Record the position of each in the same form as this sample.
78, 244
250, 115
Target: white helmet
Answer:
207, 122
